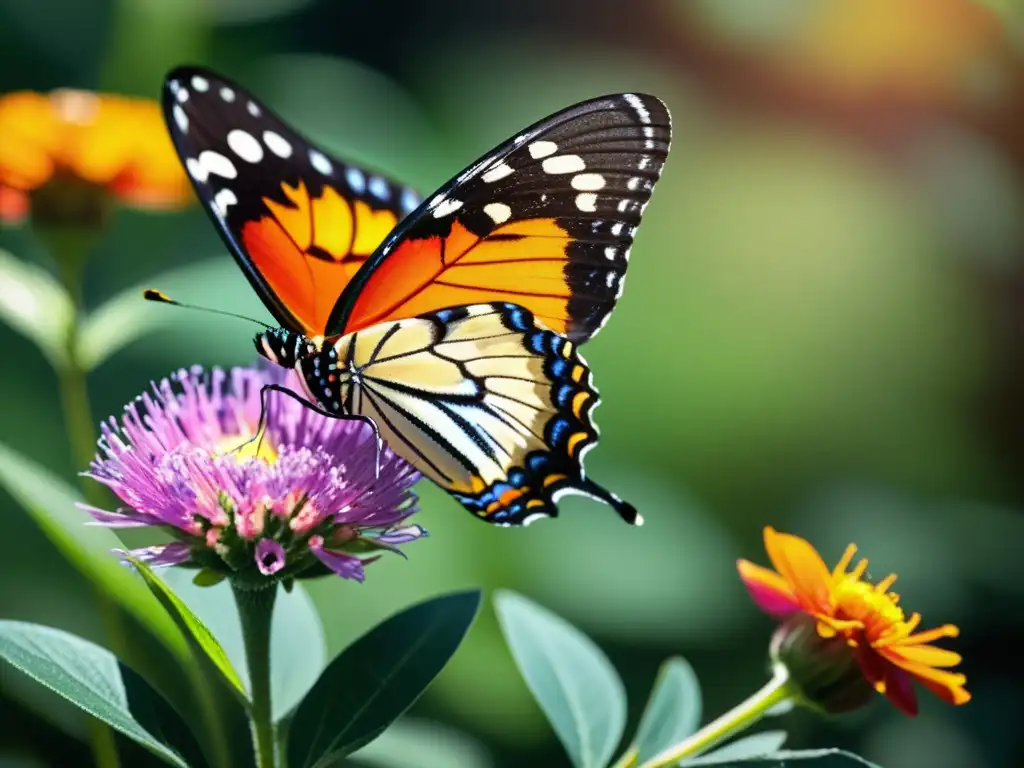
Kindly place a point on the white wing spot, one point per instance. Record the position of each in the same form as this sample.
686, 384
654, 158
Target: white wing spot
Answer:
222, 200
610, 252
531, 518
196, 169
378, 188
617, 228
609, 279
356, 180
277, 144
539, 149
446, 207
497, 172
227, 94
245, 145
320, 162
644, 164
624, 205
633, 183
588, 182
180, 118
253, 108
181, 94
563, 164
201, 84
638, 106
215, 162
586, 201
499, 212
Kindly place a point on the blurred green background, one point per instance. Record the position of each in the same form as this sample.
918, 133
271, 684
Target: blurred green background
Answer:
823, 328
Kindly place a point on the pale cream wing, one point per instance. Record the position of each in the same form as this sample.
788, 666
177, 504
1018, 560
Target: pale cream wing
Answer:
483, 401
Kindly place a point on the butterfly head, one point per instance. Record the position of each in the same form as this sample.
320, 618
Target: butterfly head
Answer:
285, 348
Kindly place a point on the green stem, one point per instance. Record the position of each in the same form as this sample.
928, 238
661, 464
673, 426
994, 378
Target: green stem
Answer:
256, 608
101, 740
78, 421
732, 722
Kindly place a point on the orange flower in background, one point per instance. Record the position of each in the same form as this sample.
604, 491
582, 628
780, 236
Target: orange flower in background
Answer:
932, 49
77, 144
866, 616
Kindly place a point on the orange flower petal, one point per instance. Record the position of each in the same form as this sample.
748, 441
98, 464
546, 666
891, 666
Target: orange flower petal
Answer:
946, 630
928, 655
768, 590
13, 205
111, 141
948, 686
802, 567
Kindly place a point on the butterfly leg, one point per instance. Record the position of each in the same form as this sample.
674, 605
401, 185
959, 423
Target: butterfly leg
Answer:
306, 404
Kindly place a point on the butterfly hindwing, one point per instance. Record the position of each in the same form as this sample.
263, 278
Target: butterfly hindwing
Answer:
299, 221
545, 221
482, 399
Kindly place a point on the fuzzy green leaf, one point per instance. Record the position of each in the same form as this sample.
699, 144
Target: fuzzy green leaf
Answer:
672, 713
191, 625
756, 745
51, 503
90, 677
570, 677
296, 625
803, 758
377, 678
35, 305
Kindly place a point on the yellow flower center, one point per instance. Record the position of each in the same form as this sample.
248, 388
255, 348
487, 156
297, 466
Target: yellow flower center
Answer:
860, 609
242, 447
860, 601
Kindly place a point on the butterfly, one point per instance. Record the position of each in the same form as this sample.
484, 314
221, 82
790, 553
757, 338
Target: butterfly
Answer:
454, 323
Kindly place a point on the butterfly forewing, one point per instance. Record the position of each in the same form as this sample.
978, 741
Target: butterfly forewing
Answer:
487, 403
298, 220
545, 221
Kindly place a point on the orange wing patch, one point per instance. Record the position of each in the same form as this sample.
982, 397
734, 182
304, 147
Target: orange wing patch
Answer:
310, 247
522, 262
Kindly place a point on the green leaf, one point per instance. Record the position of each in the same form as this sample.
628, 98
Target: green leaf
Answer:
410, 743
373, 681
804, 758
191, 626
51, 503
298, 648
755, 745
35, 305
672, 713
84, 674
571, 678
153, 712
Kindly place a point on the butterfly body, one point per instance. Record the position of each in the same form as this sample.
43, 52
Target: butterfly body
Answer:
453, 324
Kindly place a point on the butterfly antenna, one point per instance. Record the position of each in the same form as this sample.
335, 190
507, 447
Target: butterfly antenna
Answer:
151, 294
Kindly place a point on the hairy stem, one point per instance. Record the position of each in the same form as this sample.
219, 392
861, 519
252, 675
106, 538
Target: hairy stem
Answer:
256, 608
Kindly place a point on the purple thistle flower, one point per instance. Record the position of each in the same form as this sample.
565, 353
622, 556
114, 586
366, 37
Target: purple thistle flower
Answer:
303, 500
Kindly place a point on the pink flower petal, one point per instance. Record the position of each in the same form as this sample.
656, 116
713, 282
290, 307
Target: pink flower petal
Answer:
768, 590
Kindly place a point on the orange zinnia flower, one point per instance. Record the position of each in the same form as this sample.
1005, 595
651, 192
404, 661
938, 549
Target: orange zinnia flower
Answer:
880, 636
86, 143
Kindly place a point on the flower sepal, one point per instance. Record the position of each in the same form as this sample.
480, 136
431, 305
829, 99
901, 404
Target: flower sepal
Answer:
822, 672
208, 578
